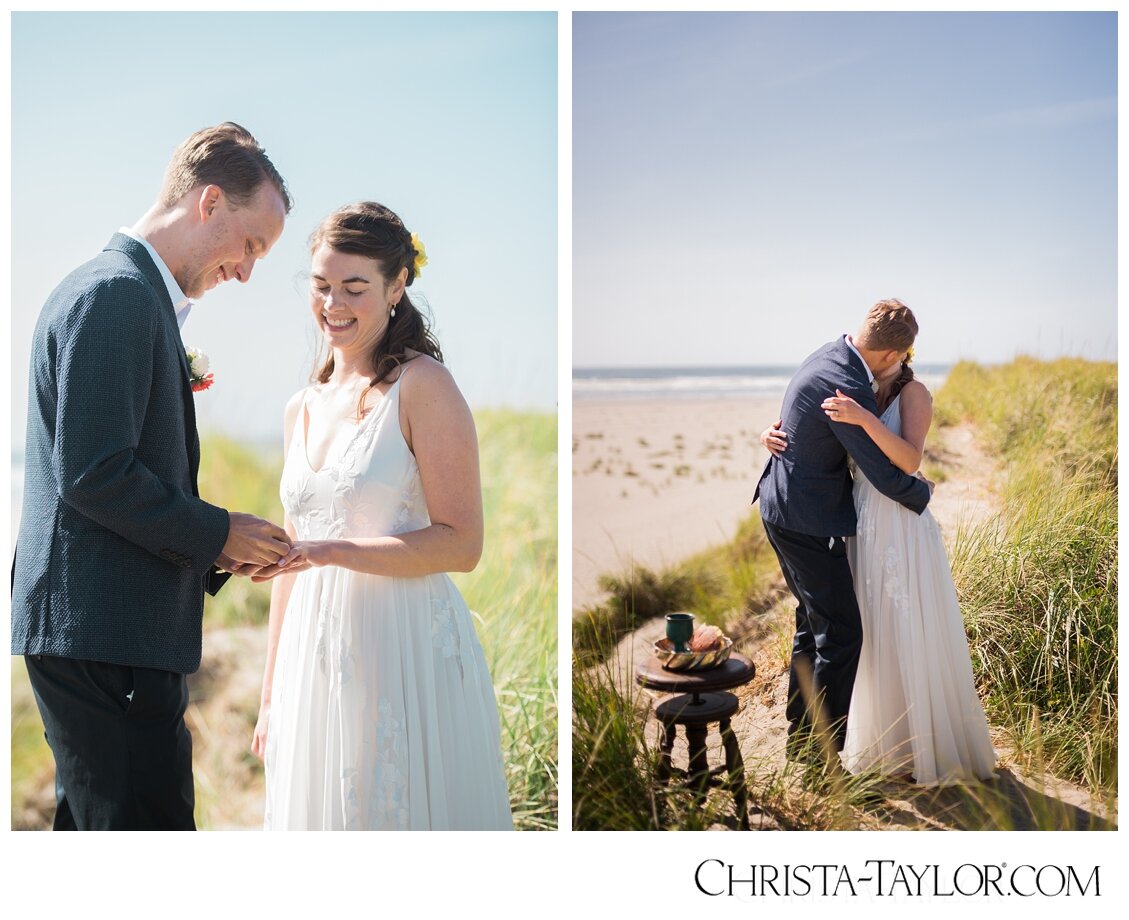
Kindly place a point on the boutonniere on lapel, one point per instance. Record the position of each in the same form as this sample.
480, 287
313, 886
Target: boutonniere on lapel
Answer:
873, 385
198, 370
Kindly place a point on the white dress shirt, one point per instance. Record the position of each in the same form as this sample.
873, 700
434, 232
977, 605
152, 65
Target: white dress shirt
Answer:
851, 346
180, 302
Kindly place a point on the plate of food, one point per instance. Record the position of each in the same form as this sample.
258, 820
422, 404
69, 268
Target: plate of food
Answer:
708, 647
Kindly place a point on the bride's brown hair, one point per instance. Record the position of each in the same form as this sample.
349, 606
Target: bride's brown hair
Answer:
371, 230
903, 378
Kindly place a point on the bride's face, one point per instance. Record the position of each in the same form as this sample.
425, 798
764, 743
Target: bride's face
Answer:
892, 370
889, 365
350, 299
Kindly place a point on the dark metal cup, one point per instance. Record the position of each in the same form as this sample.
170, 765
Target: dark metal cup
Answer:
679, 629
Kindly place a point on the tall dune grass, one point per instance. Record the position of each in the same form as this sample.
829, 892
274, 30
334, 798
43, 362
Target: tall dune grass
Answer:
1038, 584
514, 592
239, 477
741, 575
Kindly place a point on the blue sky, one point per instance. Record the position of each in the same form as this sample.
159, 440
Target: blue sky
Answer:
747, 185
449, 119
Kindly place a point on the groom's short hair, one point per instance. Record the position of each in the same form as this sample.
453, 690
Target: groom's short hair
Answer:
890, 324
228, 156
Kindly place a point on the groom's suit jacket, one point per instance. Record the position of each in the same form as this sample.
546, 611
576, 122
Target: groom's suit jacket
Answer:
115, 549
808, 489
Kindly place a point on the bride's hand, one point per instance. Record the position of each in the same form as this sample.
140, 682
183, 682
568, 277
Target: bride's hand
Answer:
841, 408
304, 554
259, 739
774, 439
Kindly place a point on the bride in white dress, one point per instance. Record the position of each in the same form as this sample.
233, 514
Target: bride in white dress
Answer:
377, 708
914, 710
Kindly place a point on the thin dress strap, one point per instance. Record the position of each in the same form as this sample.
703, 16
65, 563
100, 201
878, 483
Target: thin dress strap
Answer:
299, 421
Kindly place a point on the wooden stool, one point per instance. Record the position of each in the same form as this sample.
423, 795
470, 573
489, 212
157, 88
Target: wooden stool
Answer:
701, 701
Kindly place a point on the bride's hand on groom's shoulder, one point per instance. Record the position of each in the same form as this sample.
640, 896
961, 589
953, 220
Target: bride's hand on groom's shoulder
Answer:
774, 439
841, 408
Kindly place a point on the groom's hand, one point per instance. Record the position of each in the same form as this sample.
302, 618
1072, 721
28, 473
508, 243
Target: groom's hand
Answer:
267, 572
226, 564
242, 569
252, 540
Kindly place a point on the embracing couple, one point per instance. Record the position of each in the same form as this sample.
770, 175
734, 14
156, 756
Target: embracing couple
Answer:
865, 560
377, 709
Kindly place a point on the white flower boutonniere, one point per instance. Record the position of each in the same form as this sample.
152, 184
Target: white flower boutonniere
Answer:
874, 385
199, 370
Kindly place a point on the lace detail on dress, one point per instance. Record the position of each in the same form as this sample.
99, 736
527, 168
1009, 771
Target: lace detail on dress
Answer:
894, 588
409, 501
321, 636
299, 502
444, 629
388, 801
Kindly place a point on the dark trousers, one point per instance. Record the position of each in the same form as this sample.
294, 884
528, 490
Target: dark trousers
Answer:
123, 755
828, 640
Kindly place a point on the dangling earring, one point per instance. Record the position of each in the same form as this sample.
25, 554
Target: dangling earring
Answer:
392, 313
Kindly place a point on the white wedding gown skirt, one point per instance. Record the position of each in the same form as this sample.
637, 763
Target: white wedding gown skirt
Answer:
914, 708
383, 714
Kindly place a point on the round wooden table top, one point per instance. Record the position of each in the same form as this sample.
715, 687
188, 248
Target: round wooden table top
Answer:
733, 672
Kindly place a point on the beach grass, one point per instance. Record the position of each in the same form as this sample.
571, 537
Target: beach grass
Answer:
239, 477
714, 584
1038, 583
32, 769
513, 592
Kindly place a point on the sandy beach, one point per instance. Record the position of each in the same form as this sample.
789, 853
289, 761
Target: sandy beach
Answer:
657, 480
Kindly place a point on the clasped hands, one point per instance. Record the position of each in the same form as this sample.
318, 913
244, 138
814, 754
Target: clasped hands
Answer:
257, 549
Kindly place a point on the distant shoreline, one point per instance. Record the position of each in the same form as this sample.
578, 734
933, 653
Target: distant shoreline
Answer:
700, 383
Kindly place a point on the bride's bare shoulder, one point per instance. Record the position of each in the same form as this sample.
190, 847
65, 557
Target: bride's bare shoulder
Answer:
916, 391
423, 373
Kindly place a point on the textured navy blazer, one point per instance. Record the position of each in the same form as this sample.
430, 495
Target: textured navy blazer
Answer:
808, 489
115, 549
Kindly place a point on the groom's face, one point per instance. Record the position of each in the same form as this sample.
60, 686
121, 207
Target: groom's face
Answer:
887, 362
233, 239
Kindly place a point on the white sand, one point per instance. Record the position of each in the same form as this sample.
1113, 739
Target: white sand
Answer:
655, 481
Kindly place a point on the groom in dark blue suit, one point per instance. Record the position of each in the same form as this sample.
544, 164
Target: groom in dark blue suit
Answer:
807, 508
116, 548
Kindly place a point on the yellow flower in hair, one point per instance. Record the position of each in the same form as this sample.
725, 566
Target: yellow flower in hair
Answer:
421, 255
909, 355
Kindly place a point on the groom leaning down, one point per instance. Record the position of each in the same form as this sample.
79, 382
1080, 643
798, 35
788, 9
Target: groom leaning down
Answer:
116, 548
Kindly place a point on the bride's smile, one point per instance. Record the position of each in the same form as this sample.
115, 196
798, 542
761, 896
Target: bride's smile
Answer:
350, 299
